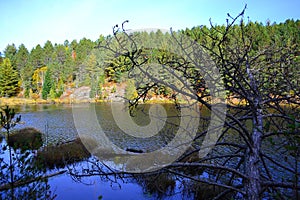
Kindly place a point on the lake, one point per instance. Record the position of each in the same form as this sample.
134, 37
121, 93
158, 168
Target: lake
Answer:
57, 125
87, 178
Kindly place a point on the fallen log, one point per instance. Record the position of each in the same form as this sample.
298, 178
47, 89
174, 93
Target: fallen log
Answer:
134, 150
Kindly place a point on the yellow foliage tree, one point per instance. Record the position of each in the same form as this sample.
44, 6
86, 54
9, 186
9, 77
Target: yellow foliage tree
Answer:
38, 78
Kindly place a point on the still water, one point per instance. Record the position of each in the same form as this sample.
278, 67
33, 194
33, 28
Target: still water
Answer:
57, 125
90, 179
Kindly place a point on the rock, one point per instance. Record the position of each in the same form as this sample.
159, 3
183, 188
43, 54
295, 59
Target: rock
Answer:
82, 93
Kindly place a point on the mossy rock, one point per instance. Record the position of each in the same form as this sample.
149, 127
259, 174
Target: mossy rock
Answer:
26, 139
62, 154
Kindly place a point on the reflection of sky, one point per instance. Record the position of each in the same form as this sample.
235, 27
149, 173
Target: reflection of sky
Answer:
4, 154
66, 188
60, 122
112, 188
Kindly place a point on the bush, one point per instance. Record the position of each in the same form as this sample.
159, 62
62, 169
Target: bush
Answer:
63, 154
26, 139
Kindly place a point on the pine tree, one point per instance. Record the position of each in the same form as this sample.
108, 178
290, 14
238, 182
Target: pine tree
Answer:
48, 52
47, 85
36, 58
22, 57
10, 53
8, 79
24, 68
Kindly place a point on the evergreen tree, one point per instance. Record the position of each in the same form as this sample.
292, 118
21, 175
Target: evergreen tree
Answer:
84, 48
68, 67
48, 51
47, 85
52, 93
8, 79
10, 53
24, 68
22, 57
36, 57
66, 43
1, 59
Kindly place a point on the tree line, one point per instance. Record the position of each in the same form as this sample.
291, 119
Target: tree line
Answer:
47, 71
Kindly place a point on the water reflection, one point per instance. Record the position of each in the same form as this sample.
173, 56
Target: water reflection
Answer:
141, 118
94, 178
21, 178
56, 124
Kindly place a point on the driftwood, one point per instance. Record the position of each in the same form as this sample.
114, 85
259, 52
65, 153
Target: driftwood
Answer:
20, 183
134, 150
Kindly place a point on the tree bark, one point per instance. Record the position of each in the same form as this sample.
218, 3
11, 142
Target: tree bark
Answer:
11, 170
253, 185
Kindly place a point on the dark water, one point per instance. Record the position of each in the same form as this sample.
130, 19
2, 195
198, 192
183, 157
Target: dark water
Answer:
57, 125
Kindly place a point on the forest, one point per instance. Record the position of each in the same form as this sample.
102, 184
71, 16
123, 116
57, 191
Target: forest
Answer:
254, 104
47, 71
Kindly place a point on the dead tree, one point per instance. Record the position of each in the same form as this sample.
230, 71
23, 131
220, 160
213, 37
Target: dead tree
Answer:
257, 153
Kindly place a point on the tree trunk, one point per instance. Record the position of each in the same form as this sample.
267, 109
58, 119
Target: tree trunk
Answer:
11, 169
253, 185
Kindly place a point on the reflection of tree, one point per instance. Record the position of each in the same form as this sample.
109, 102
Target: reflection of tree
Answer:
159, 185
196, 190
262, 122
20, 178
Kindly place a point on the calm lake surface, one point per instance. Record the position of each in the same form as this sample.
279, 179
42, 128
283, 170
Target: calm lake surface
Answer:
56, 122
57, 125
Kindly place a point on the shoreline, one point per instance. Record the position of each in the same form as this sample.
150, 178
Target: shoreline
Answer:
16, 101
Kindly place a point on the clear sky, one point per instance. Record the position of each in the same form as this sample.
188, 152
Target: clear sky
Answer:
33, 22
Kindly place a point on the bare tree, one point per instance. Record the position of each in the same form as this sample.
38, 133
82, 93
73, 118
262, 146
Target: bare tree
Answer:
257, 153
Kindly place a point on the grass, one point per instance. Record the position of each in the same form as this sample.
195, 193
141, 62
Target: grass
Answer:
20, 101
25, 139
23, 101
62, 154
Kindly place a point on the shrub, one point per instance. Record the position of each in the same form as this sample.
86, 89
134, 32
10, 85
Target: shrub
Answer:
62, 154
25, 139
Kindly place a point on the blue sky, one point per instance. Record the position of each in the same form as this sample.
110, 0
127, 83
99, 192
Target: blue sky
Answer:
33, 22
